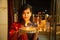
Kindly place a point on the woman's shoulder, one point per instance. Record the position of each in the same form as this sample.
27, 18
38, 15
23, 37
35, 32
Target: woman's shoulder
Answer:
16, 24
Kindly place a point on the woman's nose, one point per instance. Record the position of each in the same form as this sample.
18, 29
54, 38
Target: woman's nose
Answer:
25, 14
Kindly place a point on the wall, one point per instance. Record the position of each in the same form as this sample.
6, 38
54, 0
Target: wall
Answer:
3, 20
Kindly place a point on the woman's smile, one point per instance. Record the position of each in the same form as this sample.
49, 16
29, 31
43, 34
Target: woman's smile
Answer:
26, 14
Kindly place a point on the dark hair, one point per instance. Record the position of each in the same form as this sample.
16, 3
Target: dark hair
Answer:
22, 8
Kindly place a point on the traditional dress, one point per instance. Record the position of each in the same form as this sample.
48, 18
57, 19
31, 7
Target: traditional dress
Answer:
13, 33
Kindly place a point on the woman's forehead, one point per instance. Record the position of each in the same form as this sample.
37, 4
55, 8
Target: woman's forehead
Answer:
27, 10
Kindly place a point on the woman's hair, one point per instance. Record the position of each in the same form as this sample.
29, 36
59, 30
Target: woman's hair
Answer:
20, 12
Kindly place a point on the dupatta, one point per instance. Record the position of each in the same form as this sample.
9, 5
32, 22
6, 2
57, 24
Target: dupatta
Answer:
13, 33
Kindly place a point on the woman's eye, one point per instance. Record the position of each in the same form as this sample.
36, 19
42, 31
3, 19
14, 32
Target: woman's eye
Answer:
27, 12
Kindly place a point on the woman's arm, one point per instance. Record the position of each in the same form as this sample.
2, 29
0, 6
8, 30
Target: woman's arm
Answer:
35, 36
19, 33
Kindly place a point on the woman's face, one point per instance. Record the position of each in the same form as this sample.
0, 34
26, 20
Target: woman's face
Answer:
26, 14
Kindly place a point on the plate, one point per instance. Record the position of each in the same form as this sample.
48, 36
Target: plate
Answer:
28, 29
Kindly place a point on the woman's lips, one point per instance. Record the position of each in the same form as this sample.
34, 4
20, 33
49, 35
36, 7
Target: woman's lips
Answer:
26, 17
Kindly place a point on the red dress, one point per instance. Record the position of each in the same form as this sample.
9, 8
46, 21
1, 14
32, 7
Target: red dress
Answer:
13, 33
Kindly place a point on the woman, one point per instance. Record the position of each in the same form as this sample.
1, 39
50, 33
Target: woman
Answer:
24, 17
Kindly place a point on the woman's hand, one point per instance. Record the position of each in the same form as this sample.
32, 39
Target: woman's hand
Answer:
20, 32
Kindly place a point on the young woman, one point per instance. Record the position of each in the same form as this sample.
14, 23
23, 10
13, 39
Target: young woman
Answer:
25, 19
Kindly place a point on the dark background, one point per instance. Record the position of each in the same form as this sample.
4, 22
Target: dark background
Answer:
40, 5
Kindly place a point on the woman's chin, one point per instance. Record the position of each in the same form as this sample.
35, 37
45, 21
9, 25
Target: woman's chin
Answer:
26, 20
